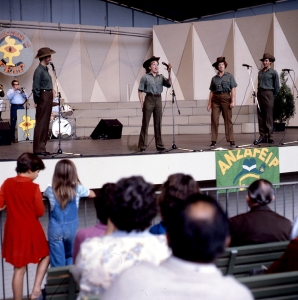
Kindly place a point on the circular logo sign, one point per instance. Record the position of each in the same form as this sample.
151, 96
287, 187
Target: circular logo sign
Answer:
16, 52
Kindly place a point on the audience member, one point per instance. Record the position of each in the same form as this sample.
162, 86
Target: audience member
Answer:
101, 207
288, 261
64, 197
197, 232
177, 188
24, 240
260, 224
130, 213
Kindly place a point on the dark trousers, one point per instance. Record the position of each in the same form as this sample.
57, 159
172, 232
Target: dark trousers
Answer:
151, 105
265, 116
43, 114
13, 118
221, 104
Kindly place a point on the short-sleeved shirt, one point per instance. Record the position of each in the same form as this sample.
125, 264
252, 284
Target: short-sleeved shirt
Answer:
153, 84
268, 80
81, 191
224, 84
42, 80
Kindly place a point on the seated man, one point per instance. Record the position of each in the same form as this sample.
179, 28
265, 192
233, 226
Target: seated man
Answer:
261, 224
197, 232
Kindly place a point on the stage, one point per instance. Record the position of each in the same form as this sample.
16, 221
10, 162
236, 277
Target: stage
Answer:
101, 161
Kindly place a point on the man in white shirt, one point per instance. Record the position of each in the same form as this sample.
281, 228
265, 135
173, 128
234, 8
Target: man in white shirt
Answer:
197, 232
17, 98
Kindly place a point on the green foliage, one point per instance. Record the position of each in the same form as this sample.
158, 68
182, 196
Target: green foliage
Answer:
284, 104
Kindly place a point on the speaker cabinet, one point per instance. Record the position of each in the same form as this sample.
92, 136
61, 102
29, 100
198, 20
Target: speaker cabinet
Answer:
107, 129
5, 134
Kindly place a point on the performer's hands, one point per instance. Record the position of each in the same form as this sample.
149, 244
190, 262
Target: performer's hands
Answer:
232, 104
35, 105
208, 106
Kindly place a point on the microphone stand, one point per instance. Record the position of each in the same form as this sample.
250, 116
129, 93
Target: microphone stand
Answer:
256, 103
174, 146
26, 103
292, 142
59, 151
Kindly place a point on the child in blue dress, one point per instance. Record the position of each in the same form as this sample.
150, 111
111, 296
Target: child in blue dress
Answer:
64, 196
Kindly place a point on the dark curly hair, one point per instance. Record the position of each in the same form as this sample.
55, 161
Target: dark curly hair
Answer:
29, 161
101, 201
134, 204
216, 66
177, 188
261, 192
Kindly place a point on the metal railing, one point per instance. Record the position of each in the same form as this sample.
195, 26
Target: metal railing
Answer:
233, 203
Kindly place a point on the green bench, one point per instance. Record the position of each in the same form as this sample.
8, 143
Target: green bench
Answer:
60, 284
239, 261
280, 286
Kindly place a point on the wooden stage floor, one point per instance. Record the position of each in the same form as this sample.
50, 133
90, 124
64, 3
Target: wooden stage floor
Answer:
127, 145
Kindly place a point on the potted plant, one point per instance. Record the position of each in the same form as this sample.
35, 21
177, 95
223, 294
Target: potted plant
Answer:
284, 104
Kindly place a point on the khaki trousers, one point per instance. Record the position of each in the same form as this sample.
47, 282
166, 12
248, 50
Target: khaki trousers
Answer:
43, 114
152, 105
221, 103
265, 116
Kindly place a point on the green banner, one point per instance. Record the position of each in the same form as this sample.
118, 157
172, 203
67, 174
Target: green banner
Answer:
243, 166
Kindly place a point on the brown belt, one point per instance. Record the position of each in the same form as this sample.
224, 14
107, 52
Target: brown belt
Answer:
153, 95
220, 93
265, 90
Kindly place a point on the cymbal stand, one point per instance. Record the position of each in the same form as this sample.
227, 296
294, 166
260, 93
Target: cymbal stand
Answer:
174, 146
292, 142
59, 151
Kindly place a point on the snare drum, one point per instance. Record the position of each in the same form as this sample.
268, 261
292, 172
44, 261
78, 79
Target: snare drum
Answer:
65, 128
66, 111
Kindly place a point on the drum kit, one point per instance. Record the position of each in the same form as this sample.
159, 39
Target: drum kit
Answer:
65, 126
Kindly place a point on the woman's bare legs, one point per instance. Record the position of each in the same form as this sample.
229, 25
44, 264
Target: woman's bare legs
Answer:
40, 273
17, 282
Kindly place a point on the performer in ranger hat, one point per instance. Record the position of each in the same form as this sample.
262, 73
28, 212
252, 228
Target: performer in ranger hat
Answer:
268, 87
152, 84
43, 97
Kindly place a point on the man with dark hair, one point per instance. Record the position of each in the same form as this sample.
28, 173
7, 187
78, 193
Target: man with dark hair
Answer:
152, 84
43, 97
260, 224
197, 232
268, 87
17, 98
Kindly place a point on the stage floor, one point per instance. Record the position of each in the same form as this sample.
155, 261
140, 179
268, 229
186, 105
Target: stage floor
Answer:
127, 145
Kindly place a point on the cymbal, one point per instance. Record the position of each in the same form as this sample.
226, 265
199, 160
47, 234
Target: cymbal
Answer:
55, 103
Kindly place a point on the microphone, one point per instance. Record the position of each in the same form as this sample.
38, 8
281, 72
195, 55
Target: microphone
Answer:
165, 64
284, 70
247, 66
52, 65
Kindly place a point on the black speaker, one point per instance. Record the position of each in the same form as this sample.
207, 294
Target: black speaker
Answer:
107, 129
5, 134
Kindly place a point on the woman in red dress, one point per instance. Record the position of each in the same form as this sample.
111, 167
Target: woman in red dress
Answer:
24, 240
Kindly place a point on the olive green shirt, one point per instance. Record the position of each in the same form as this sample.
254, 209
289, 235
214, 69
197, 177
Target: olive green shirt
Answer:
268, 80
42, 80
224, 84
153, 84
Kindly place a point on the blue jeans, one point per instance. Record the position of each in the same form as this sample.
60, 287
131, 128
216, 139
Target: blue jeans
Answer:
61, 239
13, 118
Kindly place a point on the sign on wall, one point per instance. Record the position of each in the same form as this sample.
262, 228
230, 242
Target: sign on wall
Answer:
244, 166
25, 124
16, 52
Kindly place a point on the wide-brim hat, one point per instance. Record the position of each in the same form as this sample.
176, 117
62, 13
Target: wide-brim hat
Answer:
45, 51
147, 63
219, 60
268, 56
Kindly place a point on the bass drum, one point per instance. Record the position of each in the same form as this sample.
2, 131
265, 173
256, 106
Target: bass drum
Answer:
65, 128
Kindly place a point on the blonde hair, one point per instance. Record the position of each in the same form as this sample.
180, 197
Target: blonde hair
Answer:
65, 181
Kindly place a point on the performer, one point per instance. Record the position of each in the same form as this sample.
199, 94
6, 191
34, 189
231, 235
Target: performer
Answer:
268, 87
43, 97
152, 84
17, 97
2, 94
222, 99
